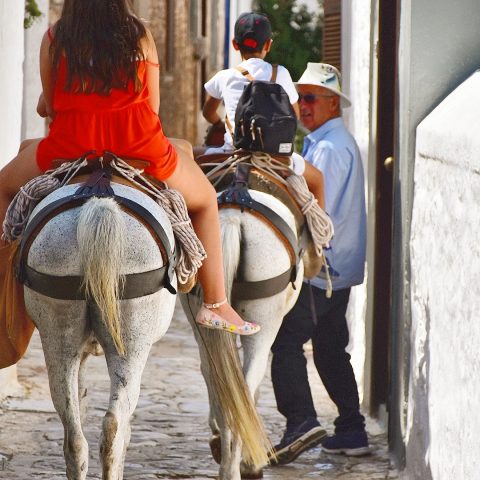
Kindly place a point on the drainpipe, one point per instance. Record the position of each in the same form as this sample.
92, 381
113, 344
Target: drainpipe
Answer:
226, 44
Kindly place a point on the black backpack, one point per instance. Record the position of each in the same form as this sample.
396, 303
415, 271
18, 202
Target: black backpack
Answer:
264, 119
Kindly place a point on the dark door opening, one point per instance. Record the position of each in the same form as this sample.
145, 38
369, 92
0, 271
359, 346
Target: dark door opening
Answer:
385, 140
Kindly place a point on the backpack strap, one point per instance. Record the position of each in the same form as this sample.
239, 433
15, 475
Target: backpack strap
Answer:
274, 72
249, 77
245, 73
229, 126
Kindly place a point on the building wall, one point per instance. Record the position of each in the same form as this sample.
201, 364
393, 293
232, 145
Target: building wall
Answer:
445, 262
435, 253
33, 126
11, 87
356, 32
439, 48
189, 37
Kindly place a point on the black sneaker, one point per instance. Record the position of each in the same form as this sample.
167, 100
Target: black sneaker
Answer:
296, 441
354, 444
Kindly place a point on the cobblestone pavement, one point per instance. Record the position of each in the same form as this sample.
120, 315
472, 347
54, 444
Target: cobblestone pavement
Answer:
169, 429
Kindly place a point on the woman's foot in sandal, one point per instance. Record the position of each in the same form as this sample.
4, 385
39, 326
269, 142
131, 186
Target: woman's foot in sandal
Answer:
221, 316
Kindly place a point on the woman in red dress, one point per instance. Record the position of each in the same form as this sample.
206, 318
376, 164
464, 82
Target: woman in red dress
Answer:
100, 78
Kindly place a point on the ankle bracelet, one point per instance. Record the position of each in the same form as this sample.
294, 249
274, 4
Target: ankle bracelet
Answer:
216, 304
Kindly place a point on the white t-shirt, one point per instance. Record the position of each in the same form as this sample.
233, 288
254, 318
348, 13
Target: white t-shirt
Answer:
228, 86
297, 163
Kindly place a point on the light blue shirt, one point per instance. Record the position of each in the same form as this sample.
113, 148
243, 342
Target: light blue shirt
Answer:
333, 150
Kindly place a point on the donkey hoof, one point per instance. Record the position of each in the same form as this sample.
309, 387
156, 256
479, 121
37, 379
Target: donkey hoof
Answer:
252, 475
216, 448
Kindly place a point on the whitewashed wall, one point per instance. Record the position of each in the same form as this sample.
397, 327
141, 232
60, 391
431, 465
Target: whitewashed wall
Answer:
33, 126
445, 286
11, 79
356, 32
11, 86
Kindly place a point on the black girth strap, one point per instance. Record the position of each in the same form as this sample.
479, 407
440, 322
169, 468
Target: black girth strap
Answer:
237, 195
69, 287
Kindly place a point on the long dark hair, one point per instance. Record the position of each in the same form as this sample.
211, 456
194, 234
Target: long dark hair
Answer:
101, 42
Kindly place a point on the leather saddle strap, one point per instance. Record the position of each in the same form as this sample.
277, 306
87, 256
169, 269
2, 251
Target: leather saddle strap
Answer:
262, 288
76, 200
71, 287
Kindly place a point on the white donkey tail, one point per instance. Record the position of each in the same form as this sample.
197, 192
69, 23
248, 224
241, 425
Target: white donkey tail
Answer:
231, 393
100, 236
231, 237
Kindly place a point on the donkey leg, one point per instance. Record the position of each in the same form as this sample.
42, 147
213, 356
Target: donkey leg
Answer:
125, 376
63, 338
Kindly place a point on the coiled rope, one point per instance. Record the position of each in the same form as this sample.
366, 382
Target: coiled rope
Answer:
319, 223
190, 250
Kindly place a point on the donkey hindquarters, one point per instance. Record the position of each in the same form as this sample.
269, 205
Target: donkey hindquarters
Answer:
252, 251
67, 327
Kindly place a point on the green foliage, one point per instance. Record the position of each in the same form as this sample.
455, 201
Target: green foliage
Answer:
297, 33
32, 12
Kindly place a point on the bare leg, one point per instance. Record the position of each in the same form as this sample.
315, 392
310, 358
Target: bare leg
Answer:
201, 200
16, 173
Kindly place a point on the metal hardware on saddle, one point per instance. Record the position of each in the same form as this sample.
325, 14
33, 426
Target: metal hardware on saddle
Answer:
237, 193
69, 288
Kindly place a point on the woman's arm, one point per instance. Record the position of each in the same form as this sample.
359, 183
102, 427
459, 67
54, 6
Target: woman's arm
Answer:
153, 71
45, 102
314, 179
210, 109
42, 106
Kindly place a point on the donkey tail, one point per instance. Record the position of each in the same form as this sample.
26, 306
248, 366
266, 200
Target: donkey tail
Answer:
231, 237
232, 395
100, 235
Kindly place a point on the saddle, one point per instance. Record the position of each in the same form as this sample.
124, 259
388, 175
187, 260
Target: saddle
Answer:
234, 185
95, 181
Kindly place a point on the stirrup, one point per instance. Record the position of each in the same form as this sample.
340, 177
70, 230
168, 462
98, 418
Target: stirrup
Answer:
208, 319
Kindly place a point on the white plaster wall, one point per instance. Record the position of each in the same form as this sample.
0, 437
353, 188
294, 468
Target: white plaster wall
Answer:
33, 126
445, 286
356, 84
11, 79
11, 85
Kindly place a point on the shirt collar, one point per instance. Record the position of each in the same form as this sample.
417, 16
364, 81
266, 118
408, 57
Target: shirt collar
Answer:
317, 135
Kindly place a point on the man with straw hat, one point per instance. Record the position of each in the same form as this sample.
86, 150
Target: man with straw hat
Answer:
316, 316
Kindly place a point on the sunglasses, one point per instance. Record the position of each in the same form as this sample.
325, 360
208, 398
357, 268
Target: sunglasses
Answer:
311, 97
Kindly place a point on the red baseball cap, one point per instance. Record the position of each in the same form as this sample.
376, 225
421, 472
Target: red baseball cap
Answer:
252, 30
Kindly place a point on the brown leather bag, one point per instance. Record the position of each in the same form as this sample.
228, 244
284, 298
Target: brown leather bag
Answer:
16, 327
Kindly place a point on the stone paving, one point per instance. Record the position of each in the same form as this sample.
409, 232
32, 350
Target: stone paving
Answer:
169, 429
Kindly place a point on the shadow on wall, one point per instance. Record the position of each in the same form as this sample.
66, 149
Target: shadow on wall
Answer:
418, 465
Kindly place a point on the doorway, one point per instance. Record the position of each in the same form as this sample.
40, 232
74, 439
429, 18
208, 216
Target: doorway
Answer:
381, 381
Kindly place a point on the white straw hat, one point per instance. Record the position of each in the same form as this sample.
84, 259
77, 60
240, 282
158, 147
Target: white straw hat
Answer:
326, 76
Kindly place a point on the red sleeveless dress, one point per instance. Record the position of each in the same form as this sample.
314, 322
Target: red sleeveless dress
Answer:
122, 122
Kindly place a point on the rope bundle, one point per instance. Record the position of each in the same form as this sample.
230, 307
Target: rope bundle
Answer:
31, 193
191, 251
319, 223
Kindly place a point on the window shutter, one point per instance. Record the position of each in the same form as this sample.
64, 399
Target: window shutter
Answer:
332, 33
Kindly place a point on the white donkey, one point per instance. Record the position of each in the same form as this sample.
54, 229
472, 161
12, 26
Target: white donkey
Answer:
253, 251
101, 242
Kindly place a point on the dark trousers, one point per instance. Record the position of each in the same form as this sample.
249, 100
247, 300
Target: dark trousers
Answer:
322, 320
